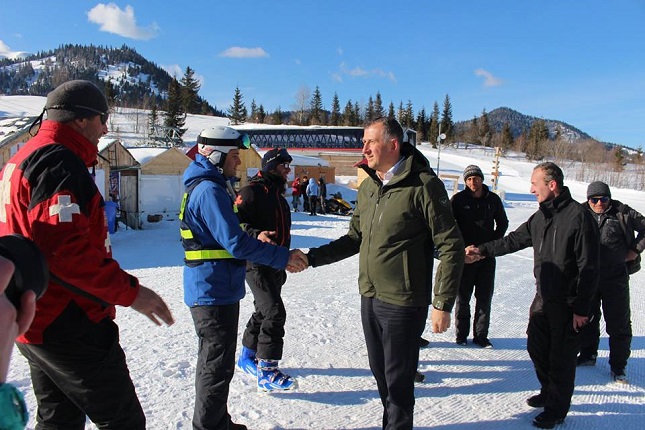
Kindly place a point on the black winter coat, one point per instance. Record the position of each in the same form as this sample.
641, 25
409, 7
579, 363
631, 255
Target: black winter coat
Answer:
564, 238
261, 206
480, 219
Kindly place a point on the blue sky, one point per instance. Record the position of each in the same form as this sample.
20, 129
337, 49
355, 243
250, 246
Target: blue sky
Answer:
582, 62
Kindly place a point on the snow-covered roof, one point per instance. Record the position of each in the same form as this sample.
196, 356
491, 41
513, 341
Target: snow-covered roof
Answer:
146, 154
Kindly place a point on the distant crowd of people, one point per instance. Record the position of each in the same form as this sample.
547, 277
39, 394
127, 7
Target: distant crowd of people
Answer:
583, 255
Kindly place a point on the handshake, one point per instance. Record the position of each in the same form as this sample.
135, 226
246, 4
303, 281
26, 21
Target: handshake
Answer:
473, 254
298, 260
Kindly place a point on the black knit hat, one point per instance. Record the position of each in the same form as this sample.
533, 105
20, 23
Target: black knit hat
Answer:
75, 99
473, 170
598, 188
273, 157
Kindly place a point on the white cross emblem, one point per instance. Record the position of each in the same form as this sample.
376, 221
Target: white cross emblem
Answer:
64, 209
5, 191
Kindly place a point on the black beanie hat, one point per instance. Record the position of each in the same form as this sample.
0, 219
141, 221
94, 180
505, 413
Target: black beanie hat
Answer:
598, 188
75, 99
473, 170
273, 157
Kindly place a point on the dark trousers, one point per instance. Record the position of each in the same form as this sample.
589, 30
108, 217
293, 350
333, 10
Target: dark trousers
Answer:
305, 202
480, 277
392, 338
553, 346
265, 330
613, 293
216, 328
313, 200
83, 375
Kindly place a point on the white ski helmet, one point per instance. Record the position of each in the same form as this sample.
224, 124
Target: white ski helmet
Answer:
214, 143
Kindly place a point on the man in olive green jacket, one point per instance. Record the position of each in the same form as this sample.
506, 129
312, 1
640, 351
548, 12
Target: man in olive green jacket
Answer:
402, 213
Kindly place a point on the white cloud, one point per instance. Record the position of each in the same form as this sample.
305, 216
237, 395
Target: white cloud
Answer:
337, 77
359, 72
174, 70
122, 22
239, 52
489, 79
339, 50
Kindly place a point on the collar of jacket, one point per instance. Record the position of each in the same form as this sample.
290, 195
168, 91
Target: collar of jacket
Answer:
58, 132
268, 179
557, 204
201, 168
414, 161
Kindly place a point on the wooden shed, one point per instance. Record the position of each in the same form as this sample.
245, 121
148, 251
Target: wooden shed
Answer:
160, 185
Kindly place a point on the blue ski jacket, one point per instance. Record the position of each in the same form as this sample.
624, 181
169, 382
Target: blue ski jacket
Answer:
211, 218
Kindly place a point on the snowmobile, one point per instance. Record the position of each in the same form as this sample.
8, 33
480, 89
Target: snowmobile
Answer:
337, 205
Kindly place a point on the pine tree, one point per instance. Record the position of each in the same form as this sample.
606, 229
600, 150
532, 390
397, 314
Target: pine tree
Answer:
276, 116
390, 111
422, 126
537, 139
433, 132
175, 115
254, 112
446, 117
378, 106
369, 110
335, 111
358, 118
348, 114
507, 137
189, 89
485, 134
400, 113
408, 116
316, 108
237, 111
261, 115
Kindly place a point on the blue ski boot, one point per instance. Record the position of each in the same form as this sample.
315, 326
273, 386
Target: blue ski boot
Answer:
271, 379
247, 362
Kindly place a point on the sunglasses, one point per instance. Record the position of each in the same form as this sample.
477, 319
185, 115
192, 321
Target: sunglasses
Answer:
285, 165
103, 115
603, 199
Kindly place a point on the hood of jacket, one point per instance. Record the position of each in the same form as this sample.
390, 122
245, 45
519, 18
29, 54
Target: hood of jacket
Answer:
201, 168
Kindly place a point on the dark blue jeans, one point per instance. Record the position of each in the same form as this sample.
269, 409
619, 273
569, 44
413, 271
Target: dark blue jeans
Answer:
216, 328
392, 337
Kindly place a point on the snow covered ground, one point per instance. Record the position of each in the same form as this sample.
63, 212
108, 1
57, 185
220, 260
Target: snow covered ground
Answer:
465, 388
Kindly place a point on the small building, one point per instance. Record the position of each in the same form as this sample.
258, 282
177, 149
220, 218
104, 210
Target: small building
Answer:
14, 133
160, 186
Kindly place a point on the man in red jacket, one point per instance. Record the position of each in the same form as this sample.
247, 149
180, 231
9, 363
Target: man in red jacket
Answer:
78, 368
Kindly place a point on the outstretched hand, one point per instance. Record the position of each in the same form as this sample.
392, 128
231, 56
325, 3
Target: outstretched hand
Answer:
265, 236
473, 254
297, 261
151, 305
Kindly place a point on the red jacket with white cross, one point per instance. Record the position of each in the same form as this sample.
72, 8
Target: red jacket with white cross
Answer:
48, 195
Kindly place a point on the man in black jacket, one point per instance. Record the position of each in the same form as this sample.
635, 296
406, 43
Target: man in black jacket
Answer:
617, 223
265, 212
564, 238
481, 218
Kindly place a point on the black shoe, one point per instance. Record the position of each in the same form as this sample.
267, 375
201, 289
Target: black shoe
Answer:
619, 376
423, 342
419, 377
536, 401
483, 342
546, 421
462, 342
586, 360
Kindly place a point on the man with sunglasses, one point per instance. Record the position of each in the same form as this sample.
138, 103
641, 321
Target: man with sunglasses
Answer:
619, 250
265, 213
564, 238
77, 366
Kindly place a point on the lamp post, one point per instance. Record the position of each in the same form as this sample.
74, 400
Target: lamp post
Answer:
440, 138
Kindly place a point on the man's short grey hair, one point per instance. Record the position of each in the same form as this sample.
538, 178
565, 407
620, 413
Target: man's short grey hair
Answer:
392, 128
552, 172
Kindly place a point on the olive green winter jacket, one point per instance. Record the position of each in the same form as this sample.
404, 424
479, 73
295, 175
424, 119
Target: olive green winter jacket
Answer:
396, 228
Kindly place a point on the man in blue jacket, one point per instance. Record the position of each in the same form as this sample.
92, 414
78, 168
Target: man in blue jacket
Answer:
216, 250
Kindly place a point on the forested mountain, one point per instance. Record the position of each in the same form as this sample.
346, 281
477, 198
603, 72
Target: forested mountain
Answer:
127, 77
520, 124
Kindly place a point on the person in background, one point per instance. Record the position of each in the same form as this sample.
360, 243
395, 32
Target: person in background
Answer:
564, 238
216, 252
312, 194
402, 213
322, 190
295, 193
13, 323
481, 218
303, 192
77, 366
262, 208
617, 223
